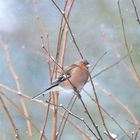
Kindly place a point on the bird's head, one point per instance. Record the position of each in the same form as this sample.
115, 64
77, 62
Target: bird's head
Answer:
83, 62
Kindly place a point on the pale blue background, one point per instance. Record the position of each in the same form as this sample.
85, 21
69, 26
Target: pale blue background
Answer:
97, 28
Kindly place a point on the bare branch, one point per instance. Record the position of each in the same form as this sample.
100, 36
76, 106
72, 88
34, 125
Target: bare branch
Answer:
15, 130
136, 12
126, 44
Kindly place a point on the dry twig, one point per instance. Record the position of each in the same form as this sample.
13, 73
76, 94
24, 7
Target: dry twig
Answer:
15, 130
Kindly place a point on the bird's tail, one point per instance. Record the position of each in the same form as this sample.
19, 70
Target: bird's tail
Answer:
51, 88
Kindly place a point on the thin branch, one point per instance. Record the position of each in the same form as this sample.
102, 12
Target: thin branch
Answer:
64, 46
46, 118
88, 114
136, 135
82, 132
65, 32
61, 34
85, 136
71, 33
110, 66
114, 47
21, 112
119, 103
16, 79
65, 117
15, 130
46, 103
136, 12
100, 112
126, 44
98, 60
110, 116
45, 40
43, 31
59, 47
81, 119
68, 111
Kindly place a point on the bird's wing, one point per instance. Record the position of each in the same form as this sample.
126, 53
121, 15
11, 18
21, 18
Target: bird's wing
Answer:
68, 70
64, 75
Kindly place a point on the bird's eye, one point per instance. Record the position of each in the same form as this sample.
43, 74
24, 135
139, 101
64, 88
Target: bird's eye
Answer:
86, 62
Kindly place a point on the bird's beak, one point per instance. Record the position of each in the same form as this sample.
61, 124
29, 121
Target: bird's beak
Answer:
88, 66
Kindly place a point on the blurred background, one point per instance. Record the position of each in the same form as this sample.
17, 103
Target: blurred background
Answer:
97, 29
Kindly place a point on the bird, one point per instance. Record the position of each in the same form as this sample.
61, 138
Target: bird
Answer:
72, 78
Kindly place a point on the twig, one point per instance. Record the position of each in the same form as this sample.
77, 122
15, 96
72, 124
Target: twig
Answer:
63, 35
98, 105
136, 135
81, 119
46, 118
46, 103
132, 135
77, 127
114, 47
123, 130
119, 103
85, 136
54, 116
66, 119
15, 130
66, 115
64, 46
27, 97
21, 112
43, 31
98, 60
16, 79
136, 12
67, 10
45, 41
110, 66
60, 35
73, 38
126, 45
68, 111
113, 119
88, 114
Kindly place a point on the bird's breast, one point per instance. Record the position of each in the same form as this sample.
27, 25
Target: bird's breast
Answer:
77, 80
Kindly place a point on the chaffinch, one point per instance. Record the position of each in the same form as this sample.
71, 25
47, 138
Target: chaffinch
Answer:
73, 78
